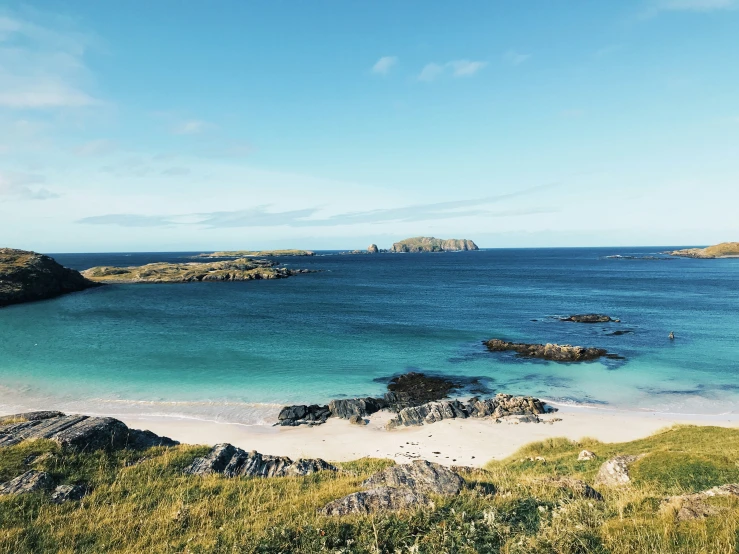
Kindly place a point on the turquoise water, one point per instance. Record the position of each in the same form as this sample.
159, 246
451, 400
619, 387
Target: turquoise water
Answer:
237, 351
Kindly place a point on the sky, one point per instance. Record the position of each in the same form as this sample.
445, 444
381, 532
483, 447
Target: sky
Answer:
236, 124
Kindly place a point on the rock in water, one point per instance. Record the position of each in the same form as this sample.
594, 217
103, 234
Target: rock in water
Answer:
348, 407
431, 244
419, 476
414, 389
588, 318
30, 481
372, 249
230, 461
28, 276
375, 500
77, 432
615, 472
554, 352
67, 493
303, 415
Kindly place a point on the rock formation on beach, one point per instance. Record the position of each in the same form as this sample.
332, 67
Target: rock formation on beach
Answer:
723, 250
243, 269
27, 276
553, 352
255, 253
431, 244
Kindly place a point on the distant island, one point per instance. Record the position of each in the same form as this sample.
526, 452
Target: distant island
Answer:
242, 269
431, 244
723, 250
256, 253
28, 276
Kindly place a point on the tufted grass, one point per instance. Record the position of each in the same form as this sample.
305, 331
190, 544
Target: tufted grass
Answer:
141, 502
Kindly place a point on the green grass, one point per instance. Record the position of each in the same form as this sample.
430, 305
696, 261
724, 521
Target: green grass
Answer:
141, 502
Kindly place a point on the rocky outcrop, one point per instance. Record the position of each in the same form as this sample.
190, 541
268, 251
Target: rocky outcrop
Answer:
615, 472
372, 249
414, 389
431, 244
575, 487
349, 407
723, 250
502, 405
68, 493
27, 276
376, 500
243, 269
302, 414
230, 461
77, 432
589, 318
419, 476
256, 253
553, 352
30, 481
586, 456
688, 507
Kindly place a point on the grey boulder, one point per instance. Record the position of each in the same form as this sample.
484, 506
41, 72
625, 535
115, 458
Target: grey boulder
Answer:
375, 500
30, 481
615, 472
67, 493
419, 476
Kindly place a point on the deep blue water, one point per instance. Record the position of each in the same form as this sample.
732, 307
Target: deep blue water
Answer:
234, 351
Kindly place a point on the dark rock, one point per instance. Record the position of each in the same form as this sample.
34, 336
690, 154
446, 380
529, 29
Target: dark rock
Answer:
419, 476
346, 408
30, 481
303, 415
375, 500
29, 416
414, 389
620, 332
553, 352
357, 420
66, 493
79, 432
230, 461
28, 276
615, 472
588, 318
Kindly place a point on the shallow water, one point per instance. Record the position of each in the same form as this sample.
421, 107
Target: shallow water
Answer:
237, 351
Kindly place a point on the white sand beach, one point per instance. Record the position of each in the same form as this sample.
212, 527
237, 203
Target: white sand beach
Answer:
471, 442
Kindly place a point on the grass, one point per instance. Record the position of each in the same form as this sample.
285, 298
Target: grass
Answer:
141, 502
715, 251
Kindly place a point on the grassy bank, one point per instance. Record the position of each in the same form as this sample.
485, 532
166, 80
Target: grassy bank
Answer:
142, 503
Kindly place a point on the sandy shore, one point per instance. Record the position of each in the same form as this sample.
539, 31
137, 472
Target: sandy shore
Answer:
465, 442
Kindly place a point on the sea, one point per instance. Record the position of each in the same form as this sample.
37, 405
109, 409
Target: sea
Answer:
237, 351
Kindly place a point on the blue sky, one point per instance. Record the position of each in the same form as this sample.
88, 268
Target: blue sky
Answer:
194, 125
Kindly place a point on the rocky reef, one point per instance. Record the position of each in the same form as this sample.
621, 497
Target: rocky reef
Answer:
431, 244
553, 352
27, 276
242, 269
723, 250
590, 318
255, 253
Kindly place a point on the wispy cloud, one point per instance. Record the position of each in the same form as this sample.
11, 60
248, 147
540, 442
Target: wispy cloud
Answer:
98, 147
515, 58
457, 68
261, 216
384, 65
191, 127
43, 67
22, 186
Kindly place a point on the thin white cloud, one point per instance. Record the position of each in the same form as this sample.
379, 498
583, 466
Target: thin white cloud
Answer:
98, 147
191, 127
515, 58
384, 65
42, 67
23, 186
457, 68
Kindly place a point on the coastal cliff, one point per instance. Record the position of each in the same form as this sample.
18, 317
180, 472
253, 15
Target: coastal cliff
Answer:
28, 276
723, 250
243, 269
431, 244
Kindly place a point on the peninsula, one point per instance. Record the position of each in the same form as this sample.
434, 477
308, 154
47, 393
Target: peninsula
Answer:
431, 244
242, 269
723, 250
28, 276
255, 253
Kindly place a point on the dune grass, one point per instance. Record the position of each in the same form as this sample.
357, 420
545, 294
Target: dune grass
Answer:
141, 502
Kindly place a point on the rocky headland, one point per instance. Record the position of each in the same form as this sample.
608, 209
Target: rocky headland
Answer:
431, 244
242, 269
28, 276
723, 250
552, 352
255, 253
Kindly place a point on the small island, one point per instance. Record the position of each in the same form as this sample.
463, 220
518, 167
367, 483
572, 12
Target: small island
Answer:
723, 250
431, 244
243, 269
28, 276
255, 253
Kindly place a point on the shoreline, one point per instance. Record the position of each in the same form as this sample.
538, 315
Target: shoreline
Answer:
470, 442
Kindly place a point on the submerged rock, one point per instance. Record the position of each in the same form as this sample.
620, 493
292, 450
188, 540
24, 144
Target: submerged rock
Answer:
30, 481
303, 415
375, 500
77, 432
27, 276
414, 389
419, 476
553, 352
230, 461
589, 318
615, 472
67, 493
